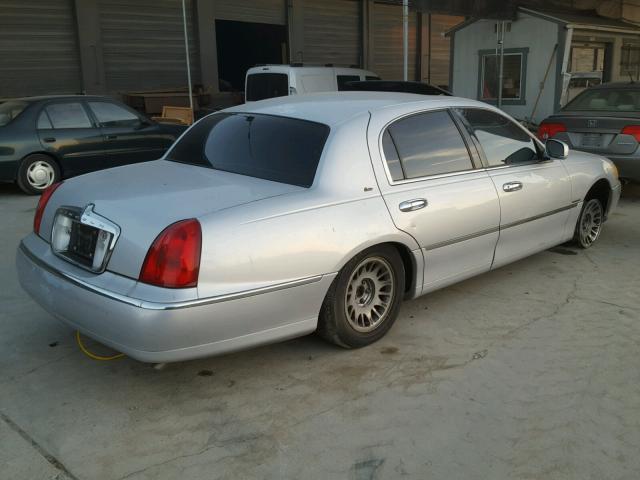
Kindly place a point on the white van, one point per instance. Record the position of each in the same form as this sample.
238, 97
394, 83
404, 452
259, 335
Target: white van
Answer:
270, 81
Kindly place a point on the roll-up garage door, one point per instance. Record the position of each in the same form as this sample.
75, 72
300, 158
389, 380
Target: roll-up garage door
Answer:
440, 48
387, 42
255, 11
143, 44
332, 32
38, 48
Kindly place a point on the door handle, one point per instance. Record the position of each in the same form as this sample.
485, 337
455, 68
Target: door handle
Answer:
49, 139
411, 205
512, 186
111, 137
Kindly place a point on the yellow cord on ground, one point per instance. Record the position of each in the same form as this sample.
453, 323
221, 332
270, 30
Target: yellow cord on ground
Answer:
93, 355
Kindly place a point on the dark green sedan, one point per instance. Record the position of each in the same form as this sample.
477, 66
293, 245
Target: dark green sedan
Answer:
46, 139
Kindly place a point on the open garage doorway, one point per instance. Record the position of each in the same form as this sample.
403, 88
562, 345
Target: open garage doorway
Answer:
242, 45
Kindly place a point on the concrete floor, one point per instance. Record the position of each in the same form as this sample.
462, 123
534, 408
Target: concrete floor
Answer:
528, 372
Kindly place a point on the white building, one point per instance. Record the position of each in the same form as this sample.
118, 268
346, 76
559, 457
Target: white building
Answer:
548, 57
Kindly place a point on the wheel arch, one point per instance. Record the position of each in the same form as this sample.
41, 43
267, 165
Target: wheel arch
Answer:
601, 190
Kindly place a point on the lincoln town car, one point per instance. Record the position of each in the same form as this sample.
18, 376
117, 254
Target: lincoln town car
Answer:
321, 212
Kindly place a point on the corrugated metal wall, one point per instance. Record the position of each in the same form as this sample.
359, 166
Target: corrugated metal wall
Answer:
257, 11
332, 32
387, 42
143, 44
38, 48
439, 68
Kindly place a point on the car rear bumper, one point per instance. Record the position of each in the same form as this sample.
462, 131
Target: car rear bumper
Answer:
174, 331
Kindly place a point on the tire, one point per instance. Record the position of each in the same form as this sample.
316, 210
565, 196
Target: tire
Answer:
36, 173
372, 282
589, 223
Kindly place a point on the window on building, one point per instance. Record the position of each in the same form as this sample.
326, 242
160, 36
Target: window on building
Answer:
426, 144
630, 60
513, 75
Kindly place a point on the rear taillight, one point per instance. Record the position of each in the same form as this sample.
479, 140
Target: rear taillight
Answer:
549, 130
633, 130
42, 203
173, 261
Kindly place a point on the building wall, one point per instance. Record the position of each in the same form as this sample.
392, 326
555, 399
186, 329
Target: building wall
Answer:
539, 36
116, 46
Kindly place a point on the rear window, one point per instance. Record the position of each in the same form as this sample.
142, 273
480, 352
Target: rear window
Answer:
10, 110
343, 80
606, 100
279, 149
266, 85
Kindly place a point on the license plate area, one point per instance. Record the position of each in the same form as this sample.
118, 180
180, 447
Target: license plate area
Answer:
83, 237
592, 140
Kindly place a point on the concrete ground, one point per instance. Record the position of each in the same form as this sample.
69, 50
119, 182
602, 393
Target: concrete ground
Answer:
527, 372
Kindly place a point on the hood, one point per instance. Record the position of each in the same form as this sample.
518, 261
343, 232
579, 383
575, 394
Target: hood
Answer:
143, 199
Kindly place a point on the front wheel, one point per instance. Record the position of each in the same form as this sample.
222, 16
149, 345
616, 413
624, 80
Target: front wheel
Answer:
589, 223
364, 299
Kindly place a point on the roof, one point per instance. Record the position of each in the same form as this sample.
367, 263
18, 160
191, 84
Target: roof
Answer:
56, 97
575, 18
334, 108
617, 85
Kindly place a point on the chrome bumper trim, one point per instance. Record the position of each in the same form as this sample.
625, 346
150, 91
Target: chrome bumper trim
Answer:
135, 302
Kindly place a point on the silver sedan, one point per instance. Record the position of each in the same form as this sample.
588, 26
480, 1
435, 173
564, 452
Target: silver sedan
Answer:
322, 212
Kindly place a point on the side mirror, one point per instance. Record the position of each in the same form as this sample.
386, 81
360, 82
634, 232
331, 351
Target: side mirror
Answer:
557, 149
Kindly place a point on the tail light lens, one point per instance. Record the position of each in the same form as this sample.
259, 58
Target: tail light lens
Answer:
549, 130
633, 130
42, 203
173, 261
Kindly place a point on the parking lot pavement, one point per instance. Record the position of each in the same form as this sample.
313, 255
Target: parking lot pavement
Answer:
527, 372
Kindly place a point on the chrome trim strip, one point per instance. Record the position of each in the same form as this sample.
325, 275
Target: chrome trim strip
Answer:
147, 305
538, 217
462, 238
502, 227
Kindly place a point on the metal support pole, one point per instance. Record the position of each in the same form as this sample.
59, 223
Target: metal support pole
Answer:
501, 60
186, 49
405, 40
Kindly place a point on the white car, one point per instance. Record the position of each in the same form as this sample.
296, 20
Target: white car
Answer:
269, 81
322, 212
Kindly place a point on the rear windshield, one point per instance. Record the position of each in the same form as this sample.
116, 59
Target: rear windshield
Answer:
606, 100
279, 149
10, 110
266, 85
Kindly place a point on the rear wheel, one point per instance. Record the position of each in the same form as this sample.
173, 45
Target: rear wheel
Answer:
364, 299
36, 173
589, 223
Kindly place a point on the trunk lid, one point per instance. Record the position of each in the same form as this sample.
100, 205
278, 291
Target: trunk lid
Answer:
598, 132
143, 199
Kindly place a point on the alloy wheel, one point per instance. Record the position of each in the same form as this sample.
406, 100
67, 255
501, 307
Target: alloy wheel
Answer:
590, 222
370, 294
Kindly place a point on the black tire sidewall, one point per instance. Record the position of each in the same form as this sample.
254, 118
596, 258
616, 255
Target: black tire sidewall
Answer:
343, 330
21, 178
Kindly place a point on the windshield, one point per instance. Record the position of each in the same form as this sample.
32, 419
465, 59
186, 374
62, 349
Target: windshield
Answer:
266, 85
279, 149
10, 110
606, 100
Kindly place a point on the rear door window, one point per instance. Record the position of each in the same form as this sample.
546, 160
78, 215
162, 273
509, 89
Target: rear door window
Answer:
503, 142
266, 85
269, 147
68, 115
10, 110
426, 144
111, 115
